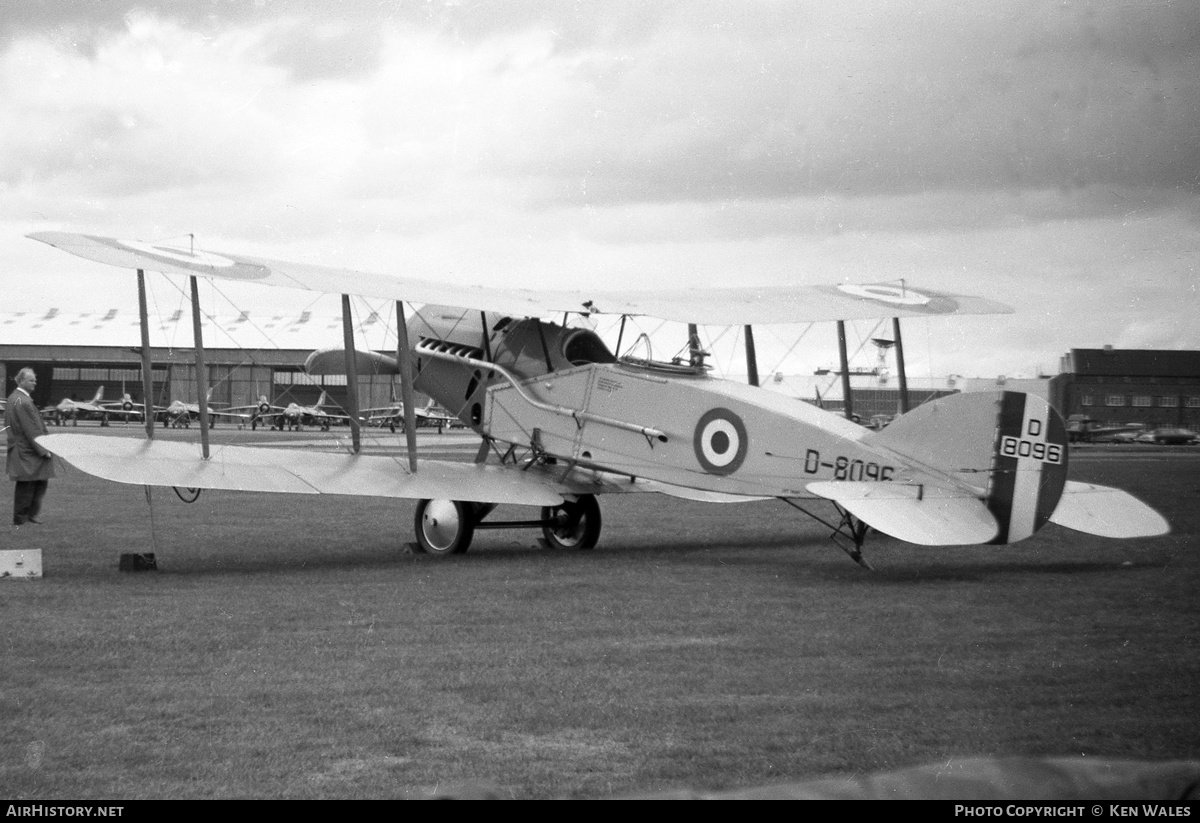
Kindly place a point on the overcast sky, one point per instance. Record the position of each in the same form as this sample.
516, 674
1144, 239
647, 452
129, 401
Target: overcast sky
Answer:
1045, 154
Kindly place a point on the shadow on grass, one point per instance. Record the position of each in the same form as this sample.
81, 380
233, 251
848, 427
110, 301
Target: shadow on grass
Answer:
976, 572
804, 558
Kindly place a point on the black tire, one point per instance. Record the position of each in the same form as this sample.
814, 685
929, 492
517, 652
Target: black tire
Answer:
576, 525
444, 527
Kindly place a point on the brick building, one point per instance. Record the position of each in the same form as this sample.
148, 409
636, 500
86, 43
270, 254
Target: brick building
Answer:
1154, 387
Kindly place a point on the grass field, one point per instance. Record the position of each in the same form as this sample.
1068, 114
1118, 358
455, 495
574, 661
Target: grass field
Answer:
288, 648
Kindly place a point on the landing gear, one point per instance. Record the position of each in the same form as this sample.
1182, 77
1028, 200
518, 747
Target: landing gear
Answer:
444, 527
572, 525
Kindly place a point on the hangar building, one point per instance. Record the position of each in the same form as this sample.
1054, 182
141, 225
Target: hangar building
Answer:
1154, 387
77, 353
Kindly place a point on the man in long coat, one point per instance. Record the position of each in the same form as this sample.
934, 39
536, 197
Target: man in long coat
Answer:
28, 463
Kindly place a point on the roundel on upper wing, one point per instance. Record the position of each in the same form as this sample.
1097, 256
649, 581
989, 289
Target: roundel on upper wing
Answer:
195, 258
720, 441
887, 293
203, 262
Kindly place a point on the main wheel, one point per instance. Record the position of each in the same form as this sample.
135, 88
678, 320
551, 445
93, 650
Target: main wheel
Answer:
573, 525
444, 526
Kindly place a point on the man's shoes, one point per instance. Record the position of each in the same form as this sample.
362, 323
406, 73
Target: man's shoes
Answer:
35, 521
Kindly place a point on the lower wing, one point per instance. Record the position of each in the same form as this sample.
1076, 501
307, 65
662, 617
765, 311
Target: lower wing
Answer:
291, 471
246, 468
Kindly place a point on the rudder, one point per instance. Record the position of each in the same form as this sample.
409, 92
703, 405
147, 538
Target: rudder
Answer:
1010, 447
1029, 469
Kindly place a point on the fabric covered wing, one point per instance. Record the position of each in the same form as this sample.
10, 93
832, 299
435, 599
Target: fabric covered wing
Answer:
728, 306
246, 468
1107, 512
921, 514
685, 493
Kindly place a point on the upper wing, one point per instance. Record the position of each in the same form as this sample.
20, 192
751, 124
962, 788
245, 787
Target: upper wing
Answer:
726, 306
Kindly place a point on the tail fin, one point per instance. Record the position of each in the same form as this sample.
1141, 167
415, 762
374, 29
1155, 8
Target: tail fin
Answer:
1010, 446
99, 395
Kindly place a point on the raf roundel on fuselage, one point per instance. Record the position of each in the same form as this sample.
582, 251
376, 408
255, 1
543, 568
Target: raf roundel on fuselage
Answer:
720, 441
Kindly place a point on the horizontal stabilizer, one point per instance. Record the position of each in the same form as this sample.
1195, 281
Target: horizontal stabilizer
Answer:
246, 468
925, 515
1107, 512
333, 361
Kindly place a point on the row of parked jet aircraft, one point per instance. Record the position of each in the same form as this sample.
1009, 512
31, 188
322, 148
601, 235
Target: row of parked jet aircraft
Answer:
293, 416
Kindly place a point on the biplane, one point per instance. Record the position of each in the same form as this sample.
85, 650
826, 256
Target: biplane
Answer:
563, 419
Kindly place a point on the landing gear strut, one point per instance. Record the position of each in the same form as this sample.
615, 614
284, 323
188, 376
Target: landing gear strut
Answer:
849, 528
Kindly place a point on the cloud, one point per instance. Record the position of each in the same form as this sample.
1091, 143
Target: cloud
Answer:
1041, 154
863, 104
324, 52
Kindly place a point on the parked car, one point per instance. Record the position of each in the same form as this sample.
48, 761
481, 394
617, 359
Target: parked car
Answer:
1169, 436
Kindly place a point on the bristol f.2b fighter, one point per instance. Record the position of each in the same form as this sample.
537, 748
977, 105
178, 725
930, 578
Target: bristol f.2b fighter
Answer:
563, 419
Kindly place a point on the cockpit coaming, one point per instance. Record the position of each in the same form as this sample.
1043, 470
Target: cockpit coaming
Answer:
526, 348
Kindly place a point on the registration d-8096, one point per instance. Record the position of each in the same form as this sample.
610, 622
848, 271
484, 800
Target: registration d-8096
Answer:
1036, 449
845, 468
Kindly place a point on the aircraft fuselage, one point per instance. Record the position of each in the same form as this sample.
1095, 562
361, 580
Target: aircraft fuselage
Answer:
704, 433
560, 391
